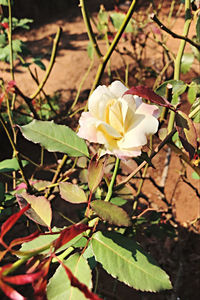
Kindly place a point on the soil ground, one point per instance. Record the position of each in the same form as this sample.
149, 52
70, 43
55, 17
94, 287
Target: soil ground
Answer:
179, 257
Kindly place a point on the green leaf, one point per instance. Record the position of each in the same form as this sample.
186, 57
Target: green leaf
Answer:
196, 117
117, 20
59, 285
179, 88
55, 137
39, 63
10, 165
186, 62
40, 211
118, 201
90, 50
125, 260
23, 23
72, 193
44, 240
5, 2
192, 92
195, 175
111, 213
198, 29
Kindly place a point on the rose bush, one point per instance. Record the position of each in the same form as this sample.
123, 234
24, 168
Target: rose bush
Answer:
120, 122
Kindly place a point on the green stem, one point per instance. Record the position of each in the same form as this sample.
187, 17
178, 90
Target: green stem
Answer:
16, 154
81, 84
177, 65
110, 188
89, 28
51, 63
113, 46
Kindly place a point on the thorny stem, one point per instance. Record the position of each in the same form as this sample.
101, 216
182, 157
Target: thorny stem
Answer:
177, 64
110, 188
113, 46
16, 154
51, 63
59, 168
173, 34
89, 28
81, 84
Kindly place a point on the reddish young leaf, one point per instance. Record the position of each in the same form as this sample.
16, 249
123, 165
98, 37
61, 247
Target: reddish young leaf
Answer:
10, 292
1, 98
147, 93
25, 239
68, 234
5, 25
187, 133
23, 279
8, 224
76, 283
40, 285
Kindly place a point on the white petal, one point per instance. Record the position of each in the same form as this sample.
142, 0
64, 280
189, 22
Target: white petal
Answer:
137, 136
98, 100
117, 88
145, 108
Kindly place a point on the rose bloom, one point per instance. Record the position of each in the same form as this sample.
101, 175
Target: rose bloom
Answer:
120, 122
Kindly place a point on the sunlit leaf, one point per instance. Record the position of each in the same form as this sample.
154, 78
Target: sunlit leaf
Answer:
74, 272
125, 260
118, 18
187, 132
186, 62
178, 88
10, 165
192, 91
68, 234
72, 193
111, 213
95, 172
118, 201
55, 137
196, 117
40, 211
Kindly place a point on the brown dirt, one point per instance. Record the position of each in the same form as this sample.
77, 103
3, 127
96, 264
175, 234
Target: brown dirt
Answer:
177, 257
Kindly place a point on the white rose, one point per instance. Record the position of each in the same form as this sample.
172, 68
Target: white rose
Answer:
120, 122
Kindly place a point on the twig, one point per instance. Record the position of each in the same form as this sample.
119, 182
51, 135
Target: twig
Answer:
52, 60
89, 28
113, 46
173, 34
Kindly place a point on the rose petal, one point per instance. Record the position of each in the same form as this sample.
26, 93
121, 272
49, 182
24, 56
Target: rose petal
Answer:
117, 88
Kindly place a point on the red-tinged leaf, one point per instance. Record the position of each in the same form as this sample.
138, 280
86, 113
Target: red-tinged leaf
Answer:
187, 133
68, 234
40, 285
11, 84
25, 239
40, 211
8, 224
95, 172
147, 93
5, 25
76, 283
10, 292
23, 279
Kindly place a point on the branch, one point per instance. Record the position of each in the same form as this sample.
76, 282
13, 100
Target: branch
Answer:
52, 60
173, 34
